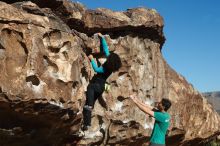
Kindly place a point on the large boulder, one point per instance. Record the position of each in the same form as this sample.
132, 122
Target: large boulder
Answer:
45, 71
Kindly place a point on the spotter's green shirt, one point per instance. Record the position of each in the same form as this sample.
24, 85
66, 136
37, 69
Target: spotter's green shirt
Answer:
162, 123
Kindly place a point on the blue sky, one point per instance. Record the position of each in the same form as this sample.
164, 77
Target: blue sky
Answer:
192, 30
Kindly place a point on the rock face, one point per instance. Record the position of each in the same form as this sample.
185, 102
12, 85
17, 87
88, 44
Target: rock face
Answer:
214, 99
45, 71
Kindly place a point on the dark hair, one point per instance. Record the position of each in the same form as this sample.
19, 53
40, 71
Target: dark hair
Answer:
113, 62
166, 103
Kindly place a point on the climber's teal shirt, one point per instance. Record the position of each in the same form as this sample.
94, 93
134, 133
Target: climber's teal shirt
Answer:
106, 52
162, 122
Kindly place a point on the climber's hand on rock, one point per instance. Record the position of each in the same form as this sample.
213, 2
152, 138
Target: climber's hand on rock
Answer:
100, 35
96, 50
90, 57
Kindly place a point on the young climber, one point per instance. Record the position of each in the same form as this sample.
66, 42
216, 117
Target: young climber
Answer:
162, 119
97, 84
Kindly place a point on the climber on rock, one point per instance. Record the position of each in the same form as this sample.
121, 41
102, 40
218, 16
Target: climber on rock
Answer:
97, 85
162, 119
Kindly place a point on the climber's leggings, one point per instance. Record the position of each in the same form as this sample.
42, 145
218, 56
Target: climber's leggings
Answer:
94, 91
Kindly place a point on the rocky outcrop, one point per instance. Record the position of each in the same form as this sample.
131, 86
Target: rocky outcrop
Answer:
45, 72
214, 99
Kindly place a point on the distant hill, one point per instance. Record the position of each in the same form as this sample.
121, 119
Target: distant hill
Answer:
214, 99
